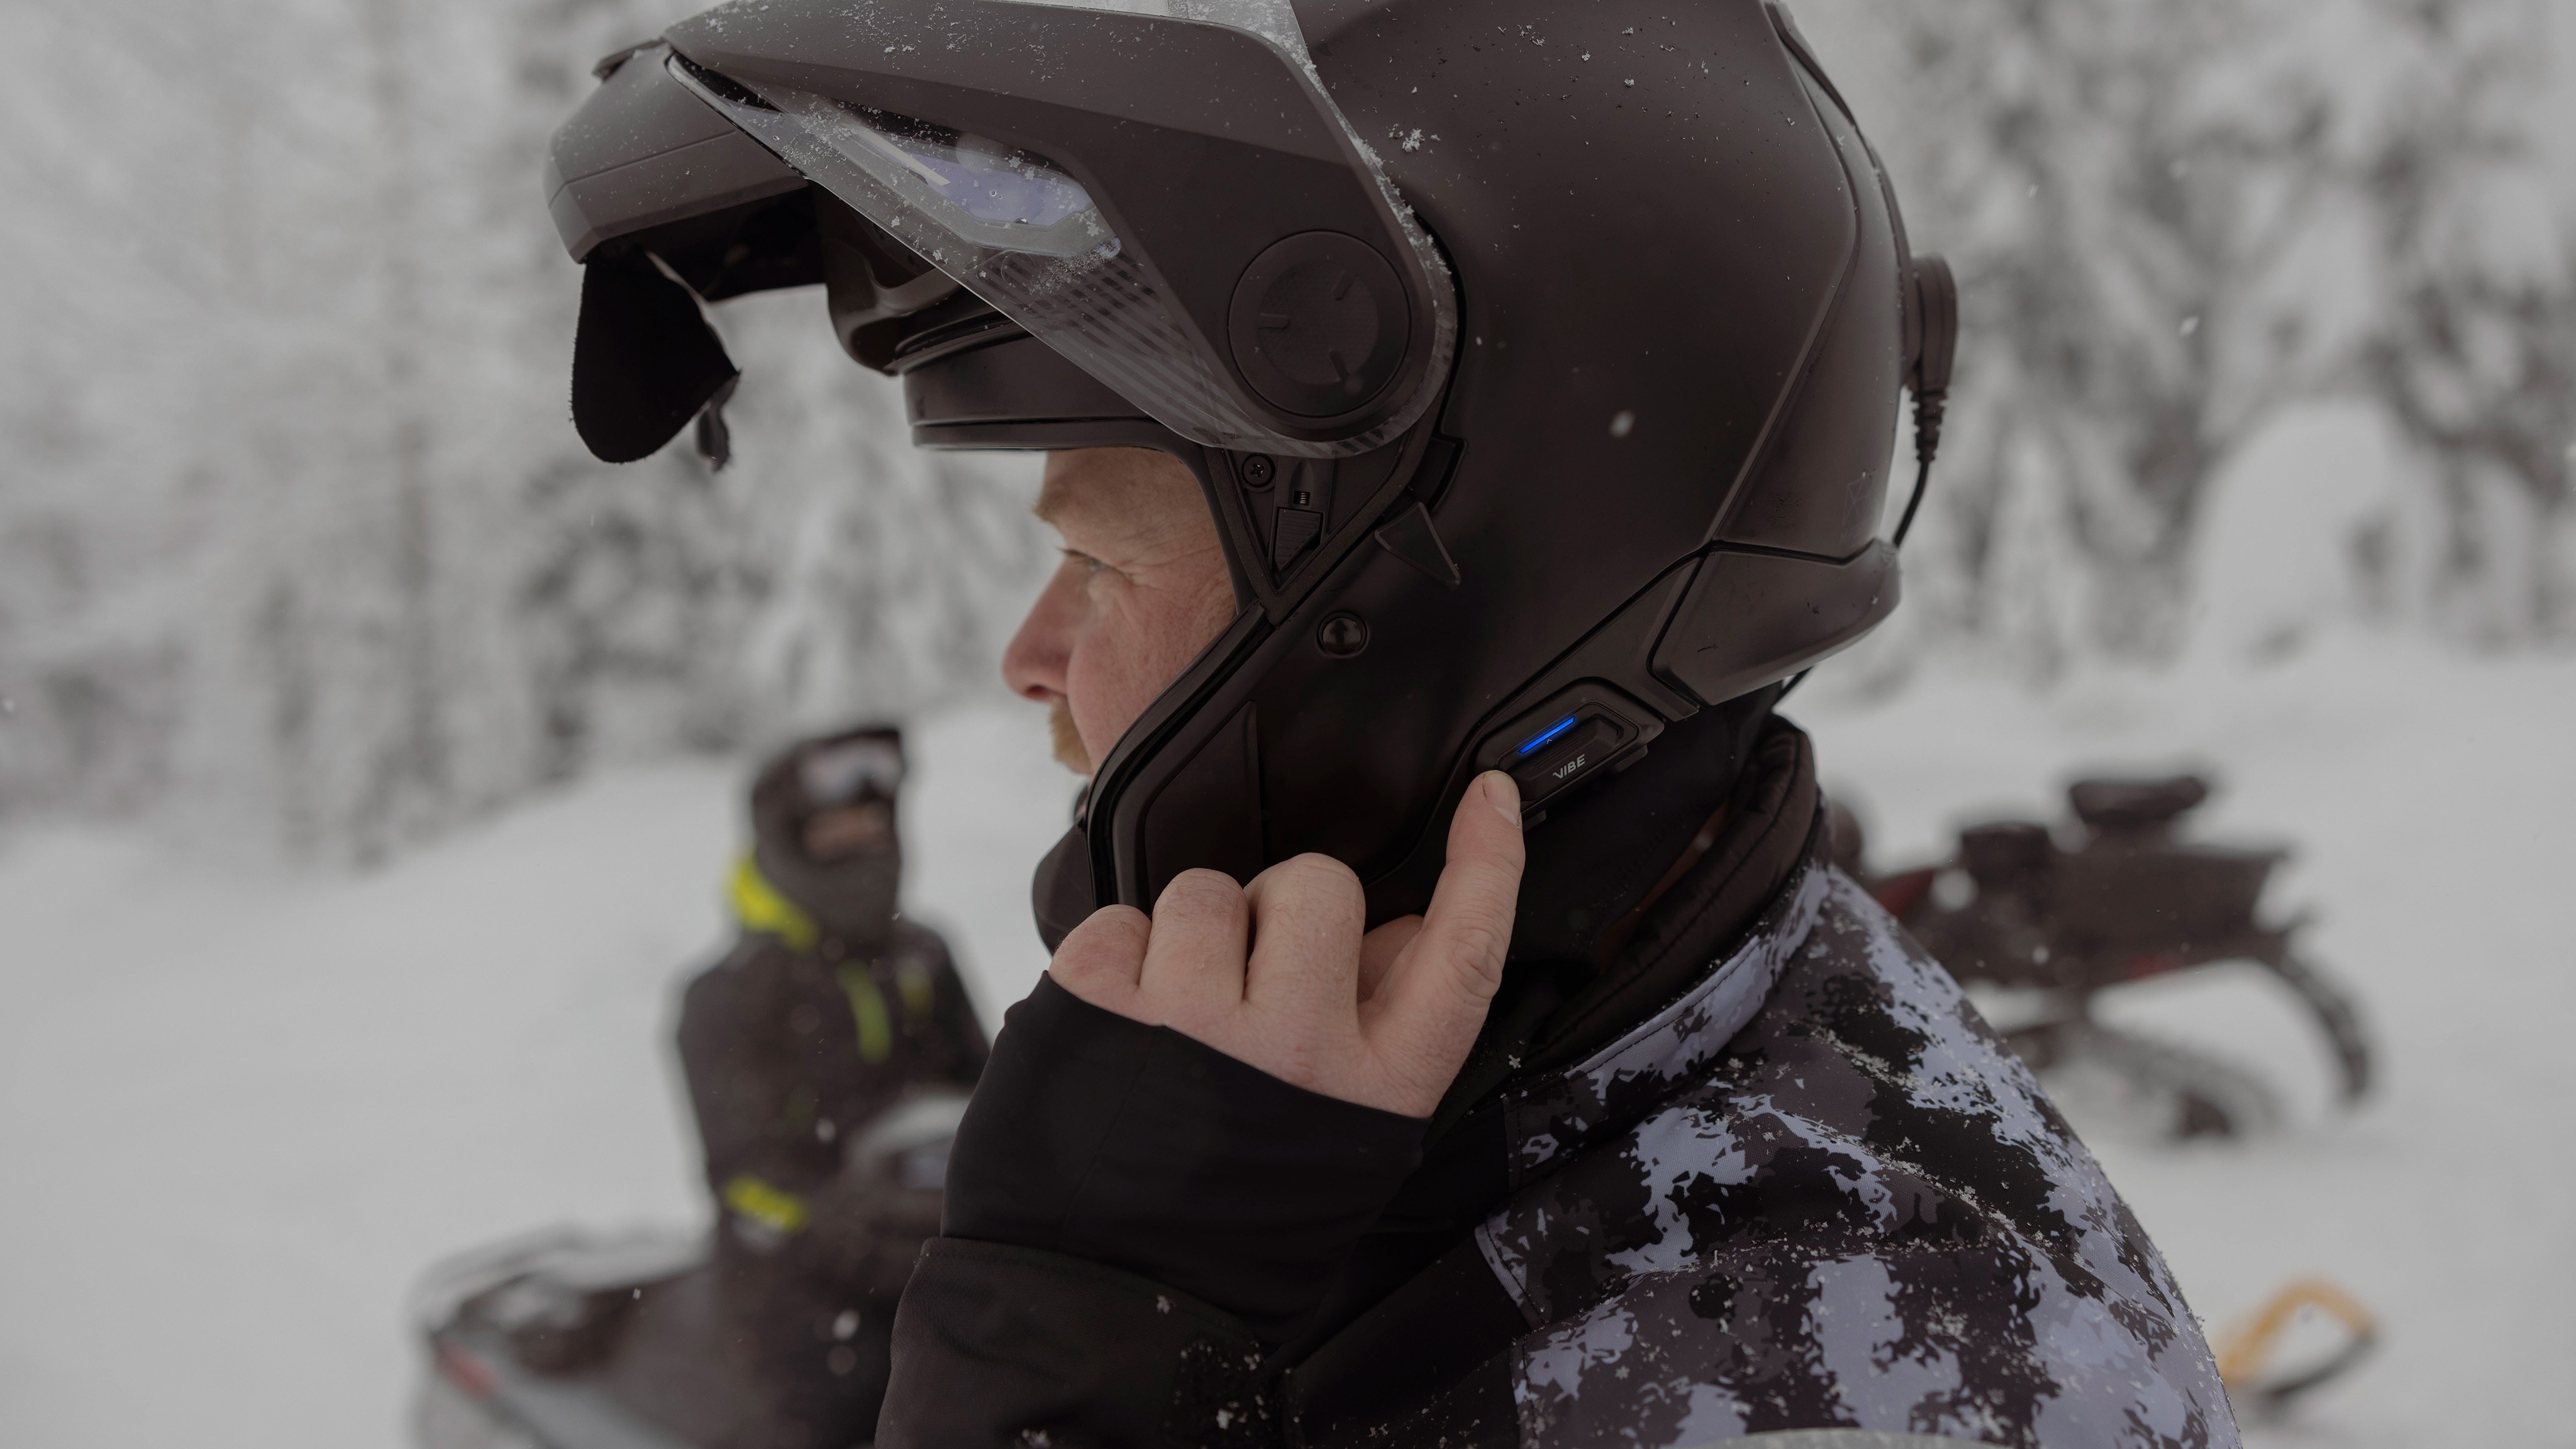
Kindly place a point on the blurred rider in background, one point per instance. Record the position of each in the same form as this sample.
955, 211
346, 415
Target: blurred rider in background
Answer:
828, 1056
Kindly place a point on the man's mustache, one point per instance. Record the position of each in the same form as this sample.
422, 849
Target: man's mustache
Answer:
1069, 751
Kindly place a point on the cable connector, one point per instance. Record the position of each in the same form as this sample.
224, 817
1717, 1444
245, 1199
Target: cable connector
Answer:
1931, 345
1933, 322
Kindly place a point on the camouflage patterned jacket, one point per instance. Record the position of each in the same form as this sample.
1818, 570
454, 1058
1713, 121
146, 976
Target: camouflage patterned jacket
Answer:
1812, 1190
1817, 1190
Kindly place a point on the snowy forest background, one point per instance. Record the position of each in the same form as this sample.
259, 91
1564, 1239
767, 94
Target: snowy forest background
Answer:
2270, 318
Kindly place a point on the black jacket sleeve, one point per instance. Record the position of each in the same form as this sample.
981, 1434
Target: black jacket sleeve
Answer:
998, 1345
1132, 1218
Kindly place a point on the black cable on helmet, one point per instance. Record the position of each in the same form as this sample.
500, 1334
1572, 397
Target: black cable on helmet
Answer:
1928, 407
1936, 347
1936, 302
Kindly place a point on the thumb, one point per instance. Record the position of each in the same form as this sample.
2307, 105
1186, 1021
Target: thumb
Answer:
1436, 992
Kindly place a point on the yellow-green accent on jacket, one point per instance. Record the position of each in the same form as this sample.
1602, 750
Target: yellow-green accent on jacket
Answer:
759, 907
775, 1208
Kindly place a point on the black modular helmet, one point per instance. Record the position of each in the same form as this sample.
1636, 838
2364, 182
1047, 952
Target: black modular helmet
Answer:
1540, 362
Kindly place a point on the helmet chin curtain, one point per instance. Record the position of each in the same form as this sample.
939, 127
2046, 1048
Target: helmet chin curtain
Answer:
644, 362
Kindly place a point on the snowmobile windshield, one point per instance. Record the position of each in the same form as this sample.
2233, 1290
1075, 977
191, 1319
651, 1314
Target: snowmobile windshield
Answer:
1321, 344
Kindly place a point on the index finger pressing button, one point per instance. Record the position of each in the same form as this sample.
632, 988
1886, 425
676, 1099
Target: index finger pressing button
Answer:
1585, 746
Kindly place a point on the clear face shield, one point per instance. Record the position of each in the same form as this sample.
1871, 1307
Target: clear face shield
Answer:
1164, 194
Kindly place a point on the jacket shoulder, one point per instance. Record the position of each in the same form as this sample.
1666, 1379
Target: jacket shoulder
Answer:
1863, 1212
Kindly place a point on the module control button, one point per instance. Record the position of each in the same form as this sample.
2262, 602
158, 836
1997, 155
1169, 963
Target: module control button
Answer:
1561, 761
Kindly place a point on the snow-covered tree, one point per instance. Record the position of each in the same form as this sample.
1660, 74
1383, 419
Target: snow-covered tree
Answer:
2475, 356
2174, 221
294, 530
2135, 198
293, 526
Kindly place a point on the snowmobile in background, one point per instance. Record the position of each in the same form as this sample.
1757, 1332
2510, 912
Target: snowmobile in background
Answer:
2039, 921
2266, 1373
569, 1340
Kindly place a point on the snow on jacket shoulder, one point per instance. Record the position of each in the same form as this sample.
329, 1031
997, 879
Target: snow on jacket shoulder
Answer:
1814, 1190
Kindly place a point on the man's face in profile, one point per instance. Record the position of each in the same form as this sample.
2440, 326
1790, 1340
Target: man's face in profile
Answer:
1142, 589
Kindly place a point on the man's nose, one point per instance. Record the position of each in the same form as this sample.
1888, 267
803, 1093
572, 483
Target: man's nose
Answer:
1034, 664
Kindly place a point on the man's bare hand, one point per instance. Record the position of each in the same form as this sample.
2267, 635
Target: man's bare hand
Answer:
1278, 976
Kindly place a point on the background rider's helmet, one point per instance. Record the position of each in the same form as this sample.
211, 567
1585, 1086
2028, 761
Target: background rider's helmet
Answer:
823, 831
1540, 363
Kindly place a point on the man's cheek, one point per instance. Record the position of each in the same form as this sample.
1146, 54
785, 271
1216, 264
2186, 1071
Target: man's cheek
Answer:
1125, 686
1093, 696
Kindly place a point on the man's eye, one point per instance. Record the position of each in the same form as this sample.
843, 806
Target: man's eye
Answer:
1091, 567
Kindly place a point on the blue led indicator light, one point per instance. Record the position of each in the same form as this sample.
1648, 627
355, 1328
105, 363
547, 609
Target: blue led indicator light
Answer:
1543, 736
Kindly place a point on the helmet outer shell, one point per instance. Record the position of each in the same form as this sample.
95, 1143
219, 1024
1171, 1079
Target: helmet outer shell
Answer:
1652, 483
1657, 473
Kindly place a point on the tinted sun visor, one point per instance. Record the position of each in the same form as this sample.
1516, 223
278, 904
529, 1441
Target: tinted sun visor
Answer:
1159, 190
1013, 392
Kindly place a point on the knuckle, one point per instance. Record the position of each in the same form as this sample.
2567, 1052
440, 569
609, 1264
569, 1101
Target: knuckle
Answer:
1125, 920
1480, 947
1321, 891
1103, 988
1325, 869
1107, 934
1316, 875
1199, 892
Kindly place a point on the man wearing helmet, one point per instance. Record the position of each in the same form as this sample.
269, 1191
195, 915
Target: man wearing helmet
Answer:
1462, 416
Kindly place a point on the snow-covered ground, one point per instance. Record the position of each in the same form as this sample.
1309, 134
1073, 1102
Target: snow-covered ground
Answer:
240, 1109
